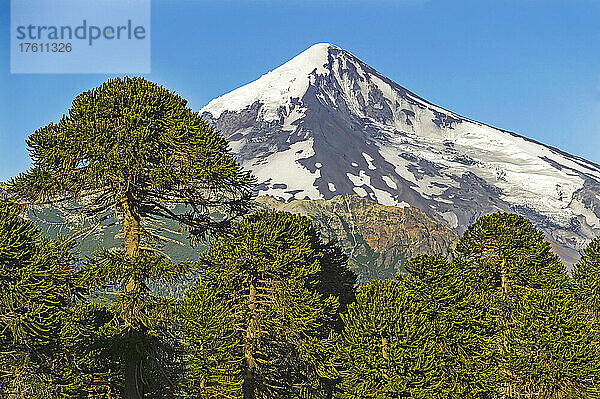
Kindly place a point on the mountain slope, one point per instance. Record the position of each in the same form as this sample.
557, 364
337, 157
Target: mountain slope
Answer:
327, 124
377, 238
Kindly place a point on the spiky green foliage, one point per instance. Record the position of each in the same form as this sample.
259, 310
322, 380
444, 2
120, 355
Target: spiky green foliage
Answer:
461, 323
504, 250
509, 261
211, 344
270, 295
586, 279
138, 331
550, 350
84, 339
46, 339
32, 297
132, 139
381, 351
132, 153
422, 336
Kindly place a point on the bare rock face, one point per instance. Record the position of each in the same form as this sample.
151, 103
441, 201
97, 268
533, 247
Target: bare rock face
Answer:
326, 124
377, 238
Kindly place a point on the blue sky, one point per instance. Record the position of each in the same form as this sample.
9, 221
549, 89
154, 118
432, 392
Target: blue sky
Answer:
529, 66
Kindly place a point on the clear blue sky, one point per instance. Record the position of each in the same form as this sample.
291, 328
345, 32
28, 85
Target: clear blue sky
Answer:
530, 66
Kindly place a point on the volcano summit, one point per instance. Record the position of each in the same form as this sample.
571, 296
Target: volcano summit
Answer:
326, 124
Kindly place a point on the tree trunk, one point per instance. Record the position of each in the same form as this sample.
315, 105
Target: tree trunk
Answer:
134, 388
329, 385
504, 276
248, 385
385, 352
251, 332
132, 236
385, 348
132, 229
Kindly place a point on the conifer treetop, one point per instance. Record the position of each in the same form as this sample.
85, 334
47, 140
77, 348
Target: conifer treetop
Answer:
133, 139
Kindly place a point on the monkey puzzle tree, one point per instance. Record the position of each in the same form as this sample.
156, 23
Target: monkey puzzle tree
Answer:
383, 350
33, 294
460, 321
211, 345
131, 152
586, 279
270, 295
506, 257
420, 336
550, 351
46, 338
503, 250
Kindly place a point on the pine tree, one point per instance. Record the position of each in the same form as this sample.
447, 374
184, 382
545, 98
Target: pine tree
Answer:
423, 336
132, 153
257, 324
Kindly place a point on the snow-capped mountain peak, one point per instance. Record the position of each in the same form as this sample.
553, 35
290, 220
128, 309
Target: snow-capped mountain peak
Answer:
325, 123
277, 87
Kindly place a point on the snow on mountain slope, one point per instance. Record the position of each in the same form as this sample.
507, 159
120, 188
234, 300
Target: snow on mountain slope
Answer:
290, 80
325, 124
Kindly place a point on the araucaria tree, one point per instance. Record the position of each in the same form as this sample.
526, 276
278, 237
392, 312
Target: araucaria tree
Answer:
550, 350
257, 325
544, 346
131, 152
504, 250
46, 338
33, 294
586, 279
420, 336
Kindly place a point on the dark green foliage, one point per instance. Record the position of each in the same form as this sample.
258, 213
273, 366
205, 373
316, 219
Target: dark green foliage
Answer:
380, 353
422, 336
84, 341
138, 330
33, 276
132, 153
132, 139
460, 320
586, 279
550, 350
546, 346
213, 348
270, 296
33, 294
46, 339
505, 250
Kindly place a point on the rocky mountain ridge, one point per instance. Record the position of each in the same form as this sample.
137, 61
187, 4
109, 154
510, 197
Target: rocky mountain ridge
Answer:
377, 238
326, 124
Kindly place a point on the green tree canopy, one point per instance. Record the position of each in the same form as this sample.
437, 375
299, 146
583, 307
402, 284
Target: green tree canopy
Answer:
133, 153
271, 293
212, 346
422, 336
550, 351
46, 338
586, 278
133, 149
505, 250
